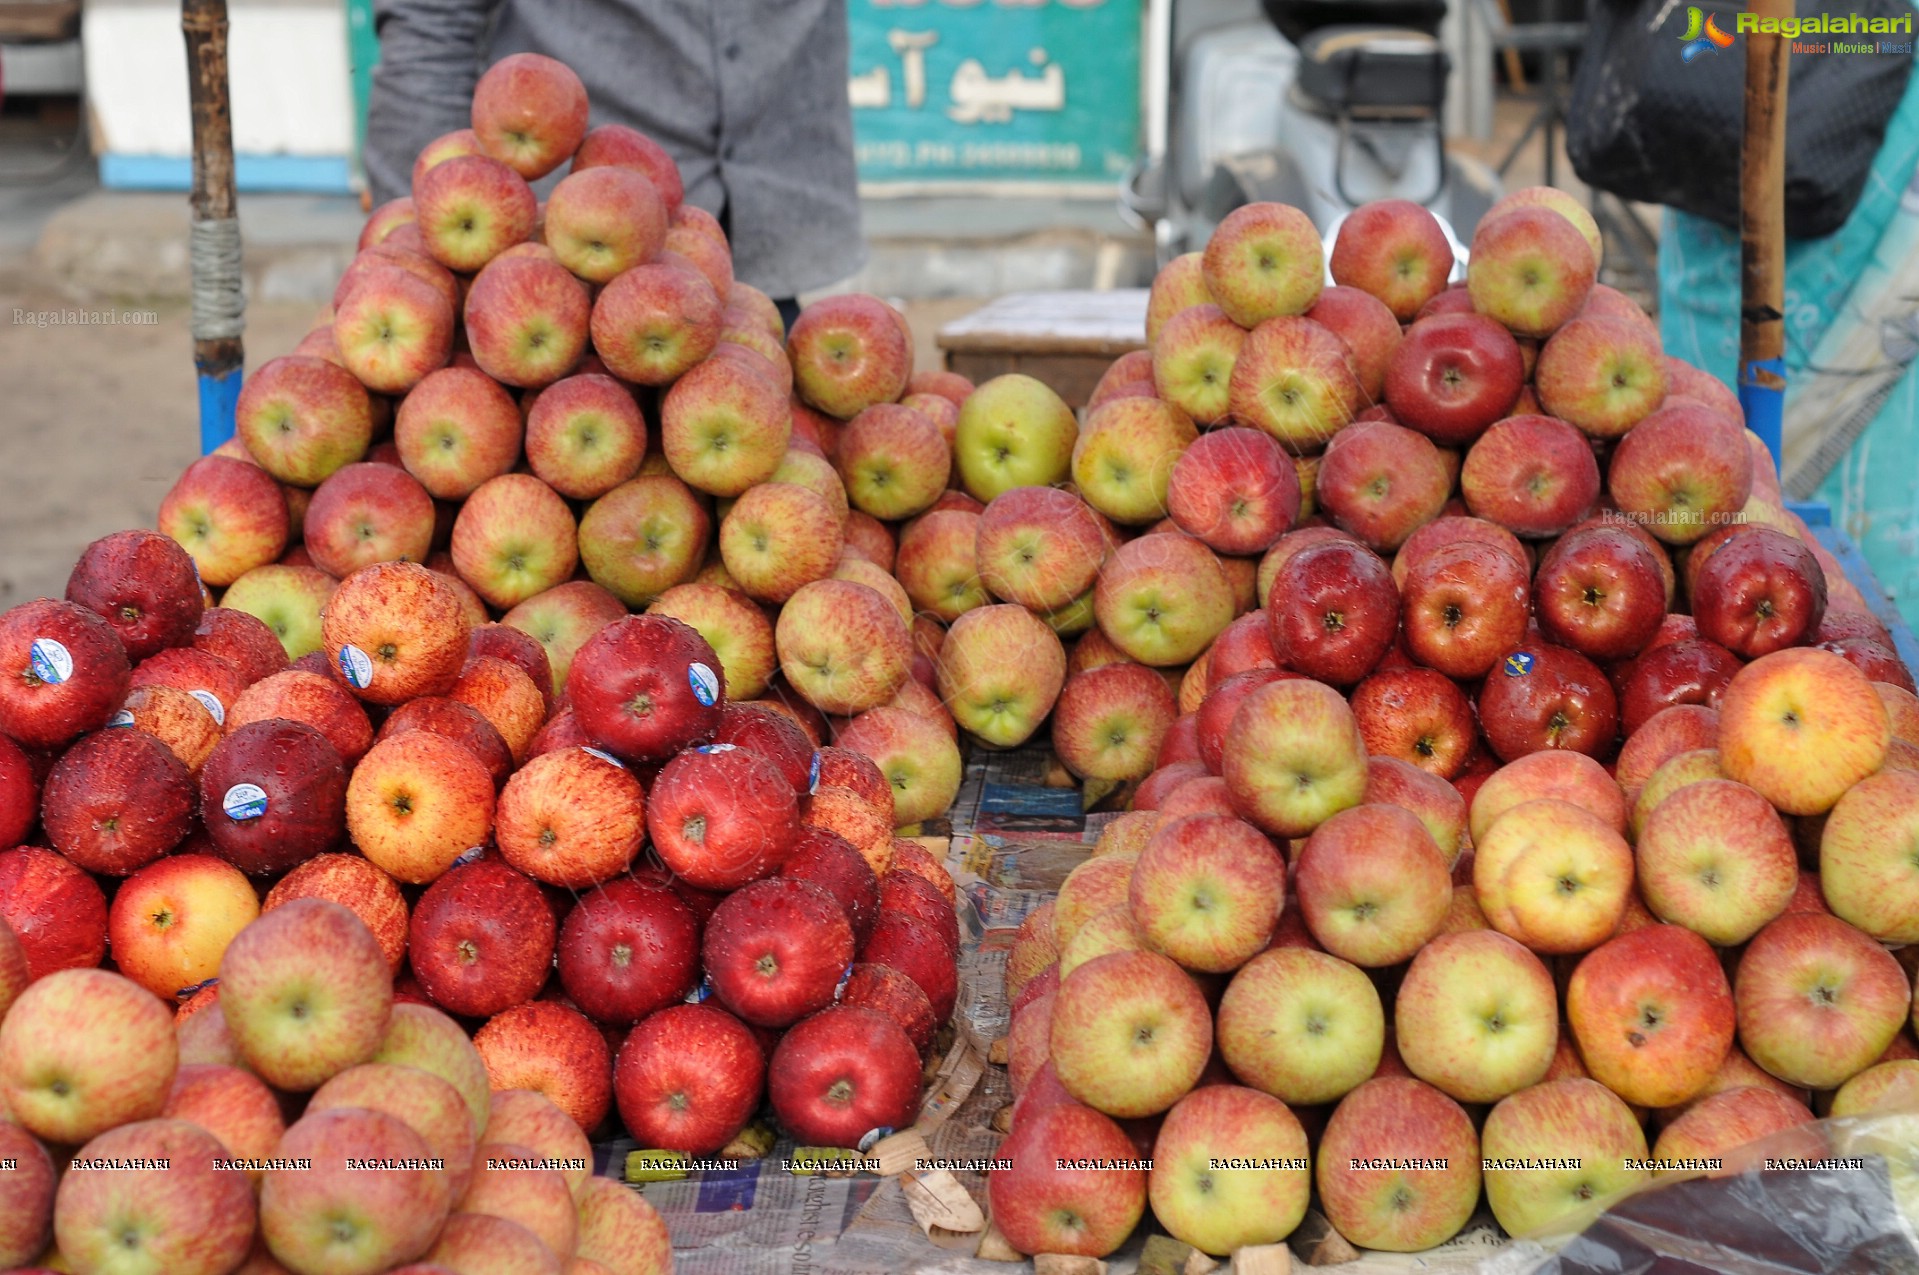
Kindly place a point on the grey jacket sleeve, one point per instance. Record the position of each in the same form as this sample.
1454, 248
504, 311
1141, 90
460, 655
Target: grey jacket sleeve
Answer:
430, 55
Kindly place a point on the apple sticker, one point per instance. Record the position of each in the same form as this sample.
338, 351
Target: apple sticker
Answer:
356, 666
244, 802
211, 703
53, 664
1519, 663
706, 685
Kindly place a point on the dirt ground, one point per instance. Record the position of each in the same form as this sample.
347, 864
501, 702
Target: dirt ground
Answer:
96, 421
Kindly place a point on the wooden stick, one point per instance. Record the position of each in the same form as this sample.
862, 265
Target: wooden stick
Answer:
218, 357
1762, 231
1515, 68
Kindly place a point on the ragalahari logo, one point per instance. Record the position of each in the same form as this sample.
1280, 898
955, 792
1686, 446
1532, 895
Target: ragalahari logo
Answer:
1702, 34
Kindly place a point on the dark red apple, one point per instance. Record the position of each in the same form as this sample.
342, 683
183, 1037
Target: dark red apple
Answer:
62, 672
646, 686
1690, 671
776, 950
834, 864
628, 948
771, 734
1243, 645
846, 1077
918, 951
721, 816
56, 910
1600, 592
142, 583
1453, 375
885, 990
19, 794
911, 894
273, 795
116, 801
459, 722
1217, 709
1334, 611
481, 939
688, 1079
1760, 592
518, 648
1542, 696
1418, 715
1877, 660
242, 640
1838, 625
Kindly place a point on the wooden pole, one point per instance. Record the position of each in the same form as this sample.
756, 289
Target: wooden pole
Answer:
1762, 231
218, 305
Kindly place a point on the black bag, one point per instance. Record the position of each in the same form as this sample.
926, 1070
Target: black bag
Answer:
1646, 124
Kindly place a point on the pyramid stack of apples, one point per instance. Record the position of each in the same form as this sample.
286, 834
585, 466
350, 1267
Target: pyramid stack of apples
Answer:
423, 810
1543, 803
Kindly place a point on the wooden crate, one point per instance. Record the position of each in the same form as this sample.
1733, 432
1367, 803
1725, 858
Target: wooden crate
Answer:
1066, 339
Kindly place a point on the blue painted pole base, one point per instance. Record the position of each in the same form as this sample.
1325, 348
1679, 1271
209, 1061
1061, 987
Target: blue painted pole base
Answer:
219, 396
1764, 402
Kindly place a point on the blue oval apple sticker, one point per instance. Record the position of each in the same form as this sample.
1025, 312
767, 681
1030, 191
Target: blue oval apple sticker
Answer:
702, 992
705, 683
244, 802
121, 718
1520, 663
471, 854
839, 990
872, 1136
356, 666
52, 663
603, 755
813, 775
717, 748
212, 704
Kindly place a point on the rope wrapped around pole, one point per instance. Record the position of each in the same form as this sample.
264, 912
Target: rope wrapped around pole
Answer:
219, 297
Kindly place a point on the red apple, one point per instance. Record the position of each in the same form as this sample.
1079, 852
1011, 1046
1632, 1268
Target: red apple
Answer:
721, 816
320, 1211
1603, 375
116, 801
1417, 715
1759, 592
144, 585
1531, 269
84, 1051
530, 111
242, 640
279, 789
1682, 472
1043, 1203
1193, 360
394, 328
688, 1079
1545, 696
776, 951
627, 949
618, 144
1264, 260
844, 1077
1454, 375
26, 1198
56, 910
1600, 592
481, 939
551, 1049
831, 862
1464, 606
301, 418
1335, 612
166, 1204
646, 686
396, 631
918, 951
66, 672
1533, 475
1692, 671
1652, 1014
885, 990
602, 221
849, 352
1295, 379
461, 723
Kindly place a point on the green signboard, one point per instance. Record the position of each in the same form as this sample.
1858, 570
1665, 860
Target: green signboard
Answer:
978, 91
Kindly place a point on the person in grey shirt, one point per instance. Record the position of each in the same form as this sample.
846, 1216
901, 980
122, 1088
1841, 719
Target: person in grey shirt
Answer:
749, 96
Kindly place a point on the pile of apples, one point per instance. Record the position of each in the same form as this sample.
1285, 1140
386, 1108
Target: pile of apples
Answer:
364, 767
1531, 806
307, 1121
